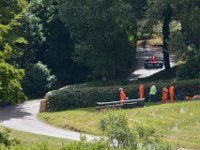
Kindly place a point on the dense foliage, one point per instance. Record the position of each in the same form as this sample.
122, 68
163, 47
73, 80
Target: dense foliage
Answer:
5, 141
38, 80
76, 97
82, 40
120, 135
103, 32
11, 45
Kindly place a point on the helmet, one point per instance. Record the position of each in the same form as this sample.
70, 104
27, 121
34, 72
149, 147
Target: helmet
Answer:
120, 89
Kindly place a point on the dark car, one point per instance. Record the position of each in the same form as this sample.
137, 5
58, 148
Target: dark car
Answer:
153, 63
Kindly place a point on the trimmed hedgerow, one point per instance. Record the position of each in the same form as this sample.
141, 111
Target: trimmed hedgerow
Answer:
76, 97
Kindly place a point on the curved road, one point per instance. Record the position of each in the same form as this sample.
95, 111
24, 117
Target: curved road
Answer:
24, 116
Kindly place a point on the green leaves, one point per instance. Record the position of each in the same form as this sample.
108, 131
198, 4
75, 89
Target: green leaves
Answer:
5, 139
101, 30
38, 80
10, 48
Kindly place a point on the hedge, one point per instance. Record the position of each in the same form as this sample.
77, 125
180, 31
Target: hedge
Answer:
76, 97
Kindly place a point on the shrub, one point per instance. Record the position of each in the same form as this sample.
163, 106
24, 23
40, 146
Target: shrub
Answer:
191, 69
10, 87
117, 130
38, 80
75, 97
115, 127
6, 141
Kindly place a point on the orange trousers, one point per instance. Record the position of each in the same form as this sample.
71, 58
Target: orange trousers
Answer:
164, 98
141, 94
171, 98
122, 102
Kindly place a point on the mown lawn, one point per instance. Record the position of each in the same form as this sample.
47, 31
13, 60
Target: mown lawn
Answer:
178, 123
34, 142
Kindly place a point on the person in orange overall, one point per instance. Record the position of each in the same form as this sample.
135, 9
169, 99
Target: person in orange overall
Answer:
171, 93
164, 95
122, 96
141, 91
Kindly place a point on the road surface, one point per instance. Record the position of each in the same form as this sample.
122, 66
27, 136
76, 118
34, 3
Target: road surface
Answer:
144, 54
23, 117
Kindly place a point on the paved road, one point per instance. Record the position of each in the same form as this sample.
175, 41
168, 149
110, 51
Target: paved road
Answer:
144, 54
23, 117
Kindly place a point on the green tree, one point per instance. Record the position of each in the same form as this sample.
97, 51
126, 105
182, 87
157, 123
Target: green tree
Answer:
188, 14
103, 32
50, 42
38, 80
11, 44
162, 10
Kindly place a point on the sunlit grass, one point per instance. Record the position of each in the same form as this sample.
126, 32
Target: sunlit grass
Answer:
178, 122
151, 42
33, 141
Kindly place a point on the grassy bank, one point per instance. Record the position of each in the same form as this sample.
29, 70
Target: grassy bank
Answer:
179, 123
34, 141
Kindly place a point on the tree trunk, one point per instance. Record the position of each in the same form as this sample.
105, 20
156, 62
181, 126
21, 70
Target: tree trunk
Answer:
166, 23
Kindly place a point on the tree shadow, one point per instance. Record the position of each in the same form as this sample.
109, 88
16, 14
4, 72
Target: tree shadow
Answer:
9, 112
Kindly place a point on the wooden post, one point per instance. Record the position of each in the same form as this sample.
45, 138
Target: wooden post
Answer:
43, 105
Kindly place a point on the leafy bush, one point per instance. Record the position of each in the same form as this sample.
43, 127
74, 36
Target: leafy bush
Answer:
38, 80
191, 69
116, 129
10, 87
76, 97
5, 141
188, 52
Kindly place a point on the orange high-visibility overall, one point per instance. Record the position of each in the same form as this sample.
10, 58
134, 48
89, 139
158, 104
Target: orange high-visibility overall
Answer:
141, 92
122, 97
171, 93
164, 95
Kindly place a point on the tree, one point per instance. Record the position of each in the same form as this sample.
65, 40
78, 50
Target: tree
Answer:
11, 44
188, 14
38, 80
50, 42
186, 42
138, 9
103, 32
162, 10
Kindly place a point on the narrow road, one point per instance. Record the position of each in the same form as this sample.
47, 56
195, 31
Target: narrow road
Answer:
23, 117
144, 54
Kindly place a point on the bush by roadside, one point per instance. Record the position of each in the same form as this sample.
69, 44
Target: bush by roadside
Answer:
76, 97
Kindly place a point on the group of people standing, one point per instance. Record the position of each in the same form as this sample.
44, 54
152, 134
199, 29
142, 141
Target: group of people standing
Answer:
165, 92
152, 93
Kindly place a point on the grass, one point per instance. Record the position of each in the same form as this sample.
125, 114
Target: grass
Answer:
151, 42
179, 123
34, 141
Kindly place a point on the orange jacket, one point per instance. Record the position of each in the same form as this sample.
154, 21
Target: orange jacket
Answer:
165, 91
171, 90
122, 95
141, 91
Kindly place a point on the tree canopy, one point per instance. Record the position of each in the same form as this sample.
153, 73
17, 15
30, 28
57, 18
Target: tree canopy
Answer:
103, 32
11, 45
74, 41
